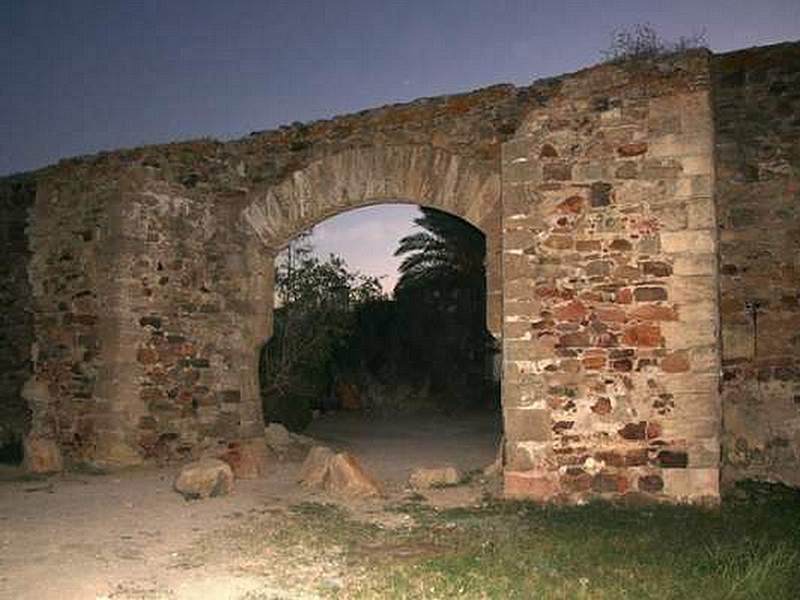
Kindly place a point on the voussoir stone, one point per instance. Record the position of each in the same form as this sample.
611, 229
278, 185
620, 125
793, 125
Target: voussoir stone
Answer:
205, 478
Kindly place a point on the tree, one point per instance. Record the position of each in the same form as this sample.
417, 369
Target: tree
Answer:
441, 295
316, 303
448, 254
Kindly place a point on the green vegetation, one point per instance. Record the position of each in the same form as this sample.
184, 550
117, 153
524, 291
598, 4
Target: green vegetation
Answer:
333, 329
504, 550
317, 303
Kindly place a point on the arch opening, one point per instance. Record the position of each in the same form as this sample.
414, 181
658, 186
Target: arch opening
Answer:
403, 374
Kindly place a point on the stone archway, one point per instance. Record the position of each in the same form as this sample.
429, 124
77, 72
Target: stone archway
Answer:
358, 177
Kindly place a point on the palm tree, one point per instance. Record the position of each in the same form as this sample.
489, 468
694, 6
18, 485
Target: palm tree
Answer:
447, 256
441, 297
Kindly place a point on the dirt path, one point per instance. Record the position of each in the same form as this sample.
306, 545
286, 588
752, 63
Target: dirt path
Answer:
123, 535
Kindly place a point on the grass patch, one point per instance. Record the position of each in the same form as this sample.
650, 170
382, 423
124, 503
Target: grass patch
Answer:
746, 549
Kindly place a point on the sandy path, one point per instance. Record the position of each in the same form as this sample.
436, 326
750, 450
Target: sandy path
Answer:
87, 537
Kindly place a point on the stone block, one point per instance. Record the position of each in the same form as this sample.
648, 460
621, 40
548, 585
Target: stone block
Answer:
693, 485
696, 241
526, 424
533, 485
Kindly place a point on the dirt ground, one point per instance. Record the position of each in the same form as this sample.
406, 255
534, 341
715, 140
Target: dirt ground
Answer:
126, 535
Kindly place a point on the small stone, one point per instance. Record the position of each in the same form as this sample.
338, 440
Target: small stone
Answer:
634, 431
672, 459
557, 171
649, 294
651, 484
205, 478
602, 406
427, 477
548, 151
620, 245
600, 194
632, 149
572, 205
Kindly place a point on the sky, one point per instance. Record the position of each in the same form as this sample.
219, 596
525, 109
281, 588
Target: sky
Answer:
79, 76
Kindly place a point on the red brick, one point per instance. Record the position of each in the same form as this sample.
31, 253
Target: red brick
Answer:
574, 311
602, 406
655, 312
644, 335
624, 296
632, 149
572, 205
526, 485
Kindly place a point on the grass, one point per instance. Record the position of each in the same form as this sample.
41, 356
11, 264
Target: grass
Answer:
505, 550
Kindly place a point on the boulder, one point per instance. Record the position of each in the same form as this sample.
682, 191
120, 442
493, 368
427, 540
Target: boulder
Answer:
41, 455
205, 478
340, 474
315, 468
248, 459
285, 444
427, 477
346, 477
277, 436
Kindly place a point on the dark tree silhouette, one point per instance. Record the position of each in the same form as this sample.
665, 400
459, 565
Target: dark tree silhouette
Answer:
447, 255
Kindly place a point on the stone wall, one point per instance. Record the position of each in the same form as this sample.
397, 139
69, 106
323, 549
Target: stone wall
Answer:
16, 324
610, 380
150, 272
69, 238
757, 117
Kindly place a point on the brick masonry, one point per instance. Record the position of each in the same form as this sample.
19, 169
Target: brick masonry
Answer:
148, 289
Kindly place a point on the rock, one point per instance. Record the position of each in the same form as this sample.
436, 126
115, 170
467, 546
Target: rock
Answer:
248, 459
341, 474
204, 478
285, 444
346, 477
277, 436
315, 467
427, 477
42, 455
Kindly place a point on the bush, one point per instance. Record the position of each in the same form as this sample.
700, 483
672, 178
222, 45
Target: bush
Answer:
641, 42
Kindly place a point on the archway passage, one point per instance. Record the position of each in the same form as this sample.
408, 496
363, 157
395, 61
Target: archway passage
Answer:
403, 380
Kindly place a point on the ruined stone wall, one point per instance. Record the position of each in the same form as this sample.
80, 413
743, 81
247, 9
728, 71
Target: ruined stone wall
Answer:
16, 323
757, 117
609, 267
69, 233
196, 287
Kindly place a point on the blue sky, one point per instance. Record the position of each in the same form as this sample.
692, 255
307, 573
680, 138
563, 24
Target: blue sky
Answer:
80, 76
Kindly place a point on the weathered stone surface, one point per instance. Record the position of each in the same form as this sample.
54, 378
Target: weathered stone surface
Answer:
315, 468
248, 459
347, 477
142, 279
204, 478
426, 477
42, 455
